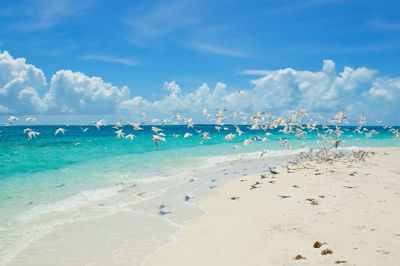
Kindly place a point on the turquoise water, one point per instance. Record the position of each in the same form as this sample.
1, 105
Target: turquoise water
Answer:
52, 167
55, 169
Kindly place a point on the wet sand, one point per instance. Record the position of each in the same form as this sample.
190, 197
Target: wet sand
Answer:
349, 207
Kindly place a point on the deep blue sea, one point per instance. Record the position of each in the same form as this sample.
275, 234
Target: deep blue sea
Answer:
47, 175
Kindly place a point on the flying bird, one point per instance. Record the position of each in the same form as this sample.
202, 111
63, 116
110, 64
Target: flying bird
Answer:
33, 134
30, 119
62, 130
120, 134
157, 138
130, 136
230, 136
100, 123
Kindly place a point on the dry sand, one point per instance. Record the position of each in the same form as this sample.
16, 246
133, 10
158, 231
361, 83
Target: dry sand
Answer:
355, 212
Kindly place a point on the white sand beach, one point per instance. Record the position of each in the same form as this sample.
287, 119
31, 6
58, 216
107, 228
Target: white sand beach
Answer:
349, 207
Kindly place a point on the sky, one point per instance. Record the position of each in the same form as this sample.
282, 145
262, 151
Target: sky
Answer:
70, 61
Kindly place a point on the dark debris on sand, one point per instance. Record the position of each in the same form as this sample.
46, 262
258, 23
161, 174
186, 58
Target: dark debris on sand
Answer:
326, 251
299, 257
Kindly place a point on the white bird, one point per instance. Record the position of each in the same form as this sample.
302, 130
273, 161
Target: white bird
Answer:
178, 117
157, 138
136, 126
175, 135
60, 130
130, 136
230, 136
117, 125
221, 113
189, 123
84, 129
120, 134
247, 141
284, 142
11, 119
187, 135
204, 111
255, 126
300, 133
218, 128
32, 134
156, 129
206, 135
100, 123
238, 130
340, 117
235, 115
27, 130
31, 119
303, 112
164, 121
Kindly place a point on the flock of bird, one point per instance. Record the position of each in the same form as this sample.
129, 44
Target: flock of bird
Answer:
328, 132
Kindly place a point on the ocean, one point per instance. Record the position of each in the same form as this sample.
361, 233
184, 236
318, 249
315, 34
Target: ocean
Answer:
52, 181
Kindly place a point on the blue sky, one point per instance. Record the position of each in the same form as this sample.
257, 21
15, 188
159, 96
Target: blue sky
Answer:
146, 45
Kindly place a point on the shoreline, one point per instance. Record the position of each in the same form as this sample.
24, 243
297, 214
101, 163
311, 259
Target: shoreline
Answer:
224, 234
147, 208
124, 230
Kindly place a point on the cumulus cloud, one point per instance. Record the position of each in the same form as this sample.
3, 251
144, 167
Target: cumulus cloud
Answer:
23, 90
277, 90
172, 87
74, 92
20, 86
385, 89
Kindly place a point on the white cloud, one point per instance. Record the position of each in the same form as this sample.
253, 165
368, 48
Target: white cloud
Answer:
20, 85
255, 72
74, 92
287, 88
172, 87
23, 90
329, 66
277, 91
385, 89
5, 109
